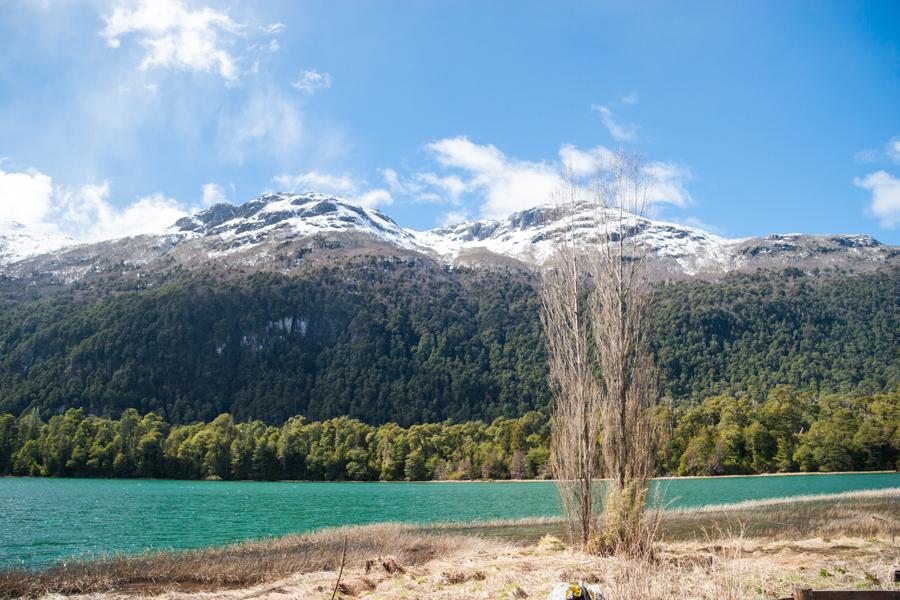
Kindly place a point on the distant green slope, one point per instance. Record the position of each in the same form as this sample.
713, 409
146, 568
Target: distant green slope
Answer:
412, 342
751, 332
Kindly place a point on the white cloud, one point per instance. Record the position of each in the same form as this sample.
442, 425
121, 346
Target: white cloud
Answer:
312, 81
668, 183
621, 132
505, 185
344, 185
450, 184
885, 204
581, 163
461, 153
84, 212
174, 36
24, 197
374, 198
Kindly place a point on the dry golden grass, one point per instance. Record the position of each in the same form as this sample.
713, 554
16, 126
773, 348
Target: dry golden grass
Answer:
752, 550
732, 569
871, 513
238, 565
868, 514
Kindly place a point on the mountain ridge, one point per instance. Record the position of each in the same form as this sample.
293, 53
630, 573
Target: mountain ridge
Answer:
267, 231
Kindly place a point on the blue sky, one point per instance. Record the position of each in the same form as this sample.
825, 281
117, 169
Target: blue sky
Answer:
757, 117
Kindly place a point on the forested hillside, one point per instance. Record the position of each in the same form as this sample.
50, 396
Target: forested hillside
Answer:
411, 341
749, 333
400, 341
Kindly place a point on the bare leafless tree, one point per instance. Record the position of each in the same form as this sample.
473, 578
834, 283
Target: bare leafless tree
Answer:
575, 412
619, 311
595, 302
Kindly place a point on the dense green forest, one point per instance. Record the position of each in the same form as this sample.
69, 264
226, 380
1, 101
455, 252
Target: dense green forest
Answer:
789, 431
749, 333
410, 341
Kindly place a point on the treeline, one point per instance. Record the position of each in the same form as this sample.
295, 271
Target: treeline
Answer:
340, 449
789, 431
409, 341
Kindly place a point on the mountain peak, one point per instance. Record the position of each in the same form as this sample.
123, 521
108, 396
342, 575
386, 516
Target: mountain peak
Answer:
292, 214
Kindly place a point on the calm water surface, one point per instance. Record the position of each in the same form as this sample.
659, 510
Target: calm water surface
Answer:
48, 520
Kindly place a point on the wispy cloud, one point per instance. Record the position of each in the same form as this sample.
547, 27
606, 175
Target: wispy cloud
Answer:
273, 28
696, 222
312, 81
268, 124
314, 181
174, 36
892, 150
453, 217
425, 186
668, 183
621, 132
889, 152
354, 190
885, 201
630, 98
213, 193
581, 163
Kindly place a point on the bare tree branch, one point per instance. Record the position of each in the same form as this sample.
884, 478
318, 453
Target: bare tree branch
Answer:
602, 374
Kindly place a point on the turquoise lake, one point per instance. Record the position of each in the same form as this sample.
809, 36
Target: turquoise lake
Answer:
48, 520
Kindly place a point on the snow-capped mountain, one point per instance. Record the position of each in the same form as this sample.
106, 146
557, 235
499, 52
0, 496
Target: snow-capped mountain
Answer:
290, 215
18, 242
281, 231
532, 236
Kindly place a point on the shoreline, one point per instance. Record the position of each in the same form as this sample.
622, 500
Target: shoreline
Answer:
660, 478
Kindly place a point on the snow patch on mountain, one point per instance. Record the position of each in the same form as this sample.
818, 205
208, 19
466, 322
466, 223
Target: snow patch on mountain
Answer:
18, 242
532, 236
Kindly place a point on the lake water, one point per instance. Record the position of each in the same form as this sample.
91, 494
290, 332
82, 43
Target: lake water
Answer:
47, 520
